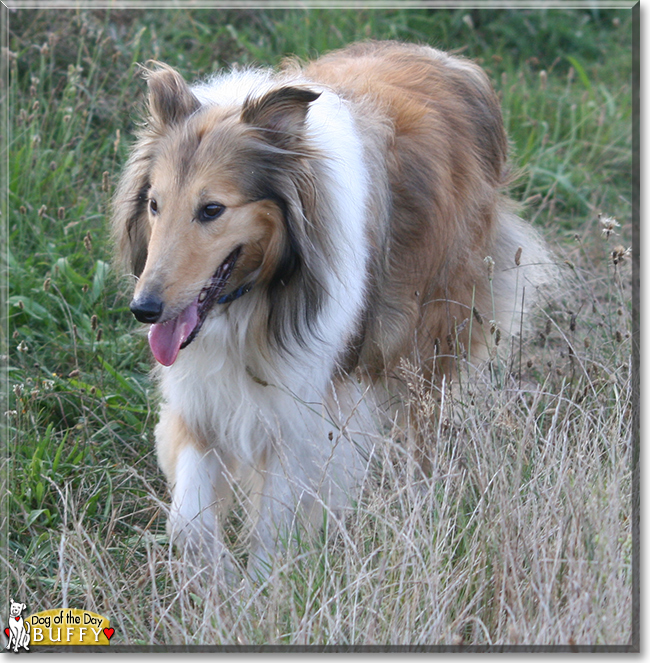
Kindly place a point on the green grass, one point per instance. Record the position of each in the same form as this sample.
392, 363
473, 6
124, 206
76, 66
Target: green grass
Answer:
524, 536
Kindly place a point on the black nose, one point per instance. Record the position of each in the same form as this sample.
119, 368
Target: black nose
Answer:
147, 310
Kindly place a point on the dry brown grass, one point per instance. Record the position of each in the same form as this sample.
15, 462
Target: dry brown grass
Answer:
521, 535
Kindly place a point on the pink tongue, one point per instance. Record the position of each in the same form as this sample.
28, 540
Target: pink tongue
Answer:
165, 339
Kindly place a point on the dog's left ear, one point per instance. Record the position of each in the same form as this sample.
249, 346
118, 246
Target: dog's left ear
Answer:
280, 113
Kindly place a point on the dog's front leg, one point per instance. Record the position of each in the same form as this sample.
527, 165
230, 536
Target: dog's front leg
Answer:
201, 491
287, 508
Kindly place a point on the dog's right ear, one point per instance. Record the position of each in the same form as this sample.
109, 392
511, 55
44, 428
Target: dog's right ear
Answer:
130, 226
170, 98
170, 102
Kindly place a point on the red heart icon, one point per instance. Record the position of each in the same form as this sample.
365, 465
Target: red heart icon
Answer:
17, 618
108, 632
7, 632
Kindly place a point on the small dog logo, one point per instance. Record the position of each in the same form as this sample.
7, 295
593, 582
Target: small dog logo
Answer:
17, 633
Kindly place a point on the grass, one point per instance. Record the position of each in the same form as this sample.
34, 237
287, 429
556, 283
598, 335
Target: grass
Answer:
522, 535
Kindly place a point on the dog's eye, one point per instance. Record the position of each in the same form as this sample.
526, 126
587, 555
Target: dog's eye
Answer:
211, 211
153, 206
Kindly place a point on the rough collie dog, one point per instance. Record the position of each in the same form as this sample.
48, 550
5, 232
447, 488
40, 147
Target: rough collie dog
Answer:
294, 235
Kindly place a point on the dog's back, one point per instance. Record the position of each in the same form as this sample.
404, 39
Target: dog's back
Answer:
437, 209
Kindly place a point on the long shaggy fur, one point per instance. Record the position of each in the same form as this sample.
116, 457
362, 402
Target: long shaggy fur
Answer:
365, 191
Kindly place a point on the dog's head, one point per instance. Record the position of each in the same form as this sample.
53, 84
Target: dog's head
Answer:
16, 609
210, 204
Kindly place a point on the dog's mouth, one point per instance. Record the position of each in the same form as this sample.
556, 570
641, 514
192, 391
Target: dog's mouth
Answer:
167, 339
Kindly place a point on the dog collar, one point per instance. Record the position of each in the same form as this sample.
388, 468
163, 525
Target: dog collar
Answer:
235, 294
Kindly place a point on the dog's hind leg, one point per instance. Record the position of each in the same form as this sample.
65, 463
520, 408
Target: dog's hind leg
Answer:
201, 491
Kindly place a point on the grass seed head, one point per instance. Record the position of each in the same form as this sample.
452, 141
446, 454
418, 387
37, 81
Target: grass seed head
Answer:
490, 266
619, 254
608, 224
543, 79
518, 256
467, 20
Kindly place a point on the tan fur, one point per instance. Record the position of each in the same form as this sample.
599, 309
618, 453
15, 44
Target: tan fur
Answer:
182, 255
176, 436
442, 131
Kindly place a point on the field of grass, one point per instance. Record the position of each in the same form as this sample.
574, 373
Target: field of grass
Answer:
523, 532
